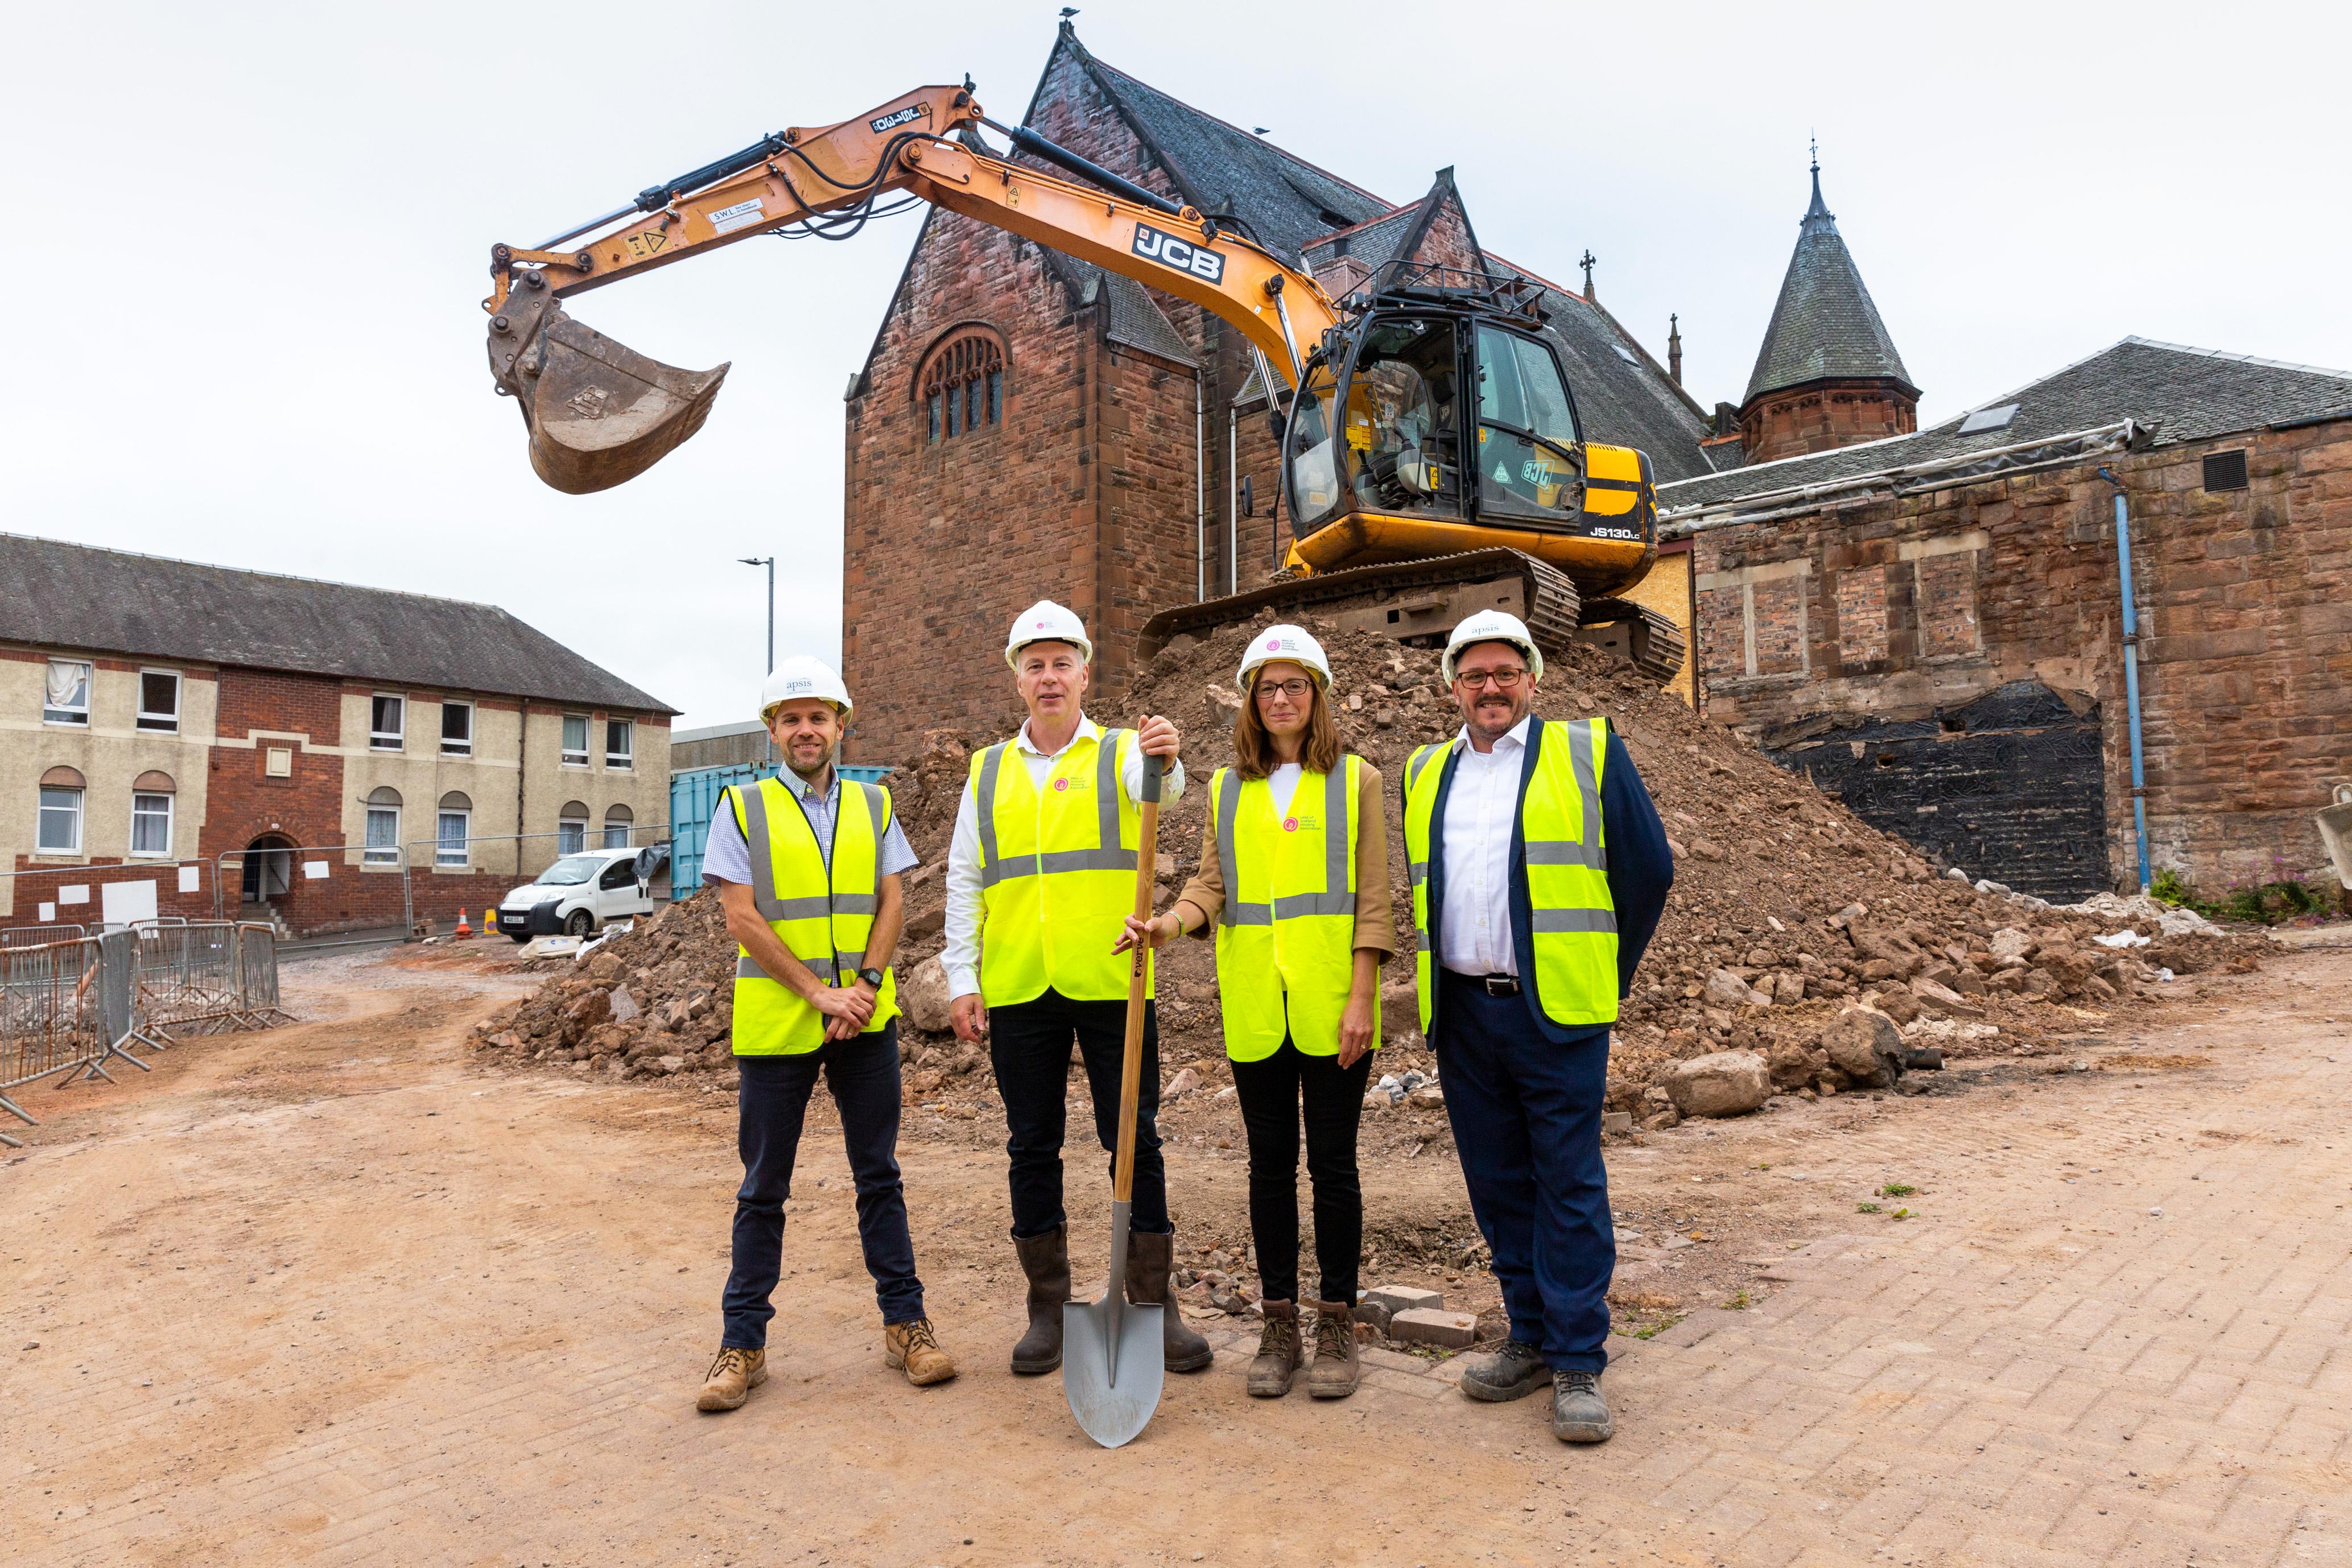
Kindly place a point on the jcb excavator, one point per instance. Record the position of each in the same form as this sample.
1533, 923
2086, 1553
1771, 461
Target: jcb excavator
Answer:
1432, 459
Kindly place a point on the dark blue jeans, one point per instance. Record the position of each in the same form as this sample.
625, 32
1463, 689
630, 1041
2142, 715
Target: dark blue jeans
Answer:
1526, 1124
1029, 1046
863, 1074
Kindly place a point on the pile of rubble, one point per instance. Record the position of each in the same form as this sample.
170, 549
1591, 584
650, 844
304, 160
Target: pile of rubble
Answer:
1825, 954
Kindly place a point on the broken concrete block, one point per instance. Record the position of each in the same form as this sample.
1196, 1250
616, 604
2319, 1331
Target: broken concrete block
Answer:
1726, 989
1615, 1122
1422, 1325
1864, 1045
1396, 1299
1724, 1083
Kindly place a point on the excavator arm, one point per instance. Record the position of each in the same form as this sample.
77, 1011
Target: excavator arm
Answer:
599, 414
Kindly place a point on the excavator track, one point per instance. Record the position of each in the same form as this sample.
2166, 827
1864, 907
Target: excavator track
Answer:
1421, 600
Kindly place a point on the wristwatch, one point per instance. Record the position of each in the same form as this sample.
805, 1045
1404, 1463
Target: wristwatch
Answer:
872, 977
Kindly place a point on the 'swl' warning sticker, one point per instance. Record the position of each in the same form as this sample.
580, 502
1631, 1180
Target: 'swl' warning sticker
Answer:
742, 215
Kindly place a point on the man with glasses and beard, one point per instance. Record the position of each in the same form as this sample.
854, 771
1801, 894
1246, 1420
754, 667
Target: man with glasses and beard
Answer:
1540, 870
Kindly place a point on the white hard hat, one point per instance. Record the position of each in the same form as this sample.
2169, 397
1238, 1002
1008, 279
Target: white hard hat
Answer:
1046, 621
1493, 625
1292, 643
801, 676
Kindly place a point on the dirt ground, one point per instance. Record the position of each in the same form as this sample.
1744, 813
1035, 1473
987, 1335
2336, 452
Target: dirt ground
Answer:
339, 1292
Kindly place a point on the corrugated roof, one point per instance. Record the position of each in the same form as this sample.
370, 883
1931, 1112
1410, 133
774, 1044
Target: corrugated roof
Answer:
1823, 324
55, 594
2185, 393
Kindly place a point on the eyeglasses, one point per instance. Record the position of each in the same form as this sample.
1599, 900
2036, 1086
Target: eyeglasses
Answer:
1503, 680
1294, 688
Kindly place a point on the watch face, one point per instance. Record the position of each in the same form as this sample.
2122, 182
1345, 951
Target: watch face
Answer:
872, 977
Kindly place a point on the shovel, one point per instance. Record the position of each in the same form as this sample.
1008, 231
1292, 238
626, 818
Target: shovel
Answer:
1112, 1362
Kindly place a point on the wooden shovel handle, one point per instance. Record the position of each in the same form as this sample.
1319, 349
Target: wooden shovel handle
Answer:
1130, 1071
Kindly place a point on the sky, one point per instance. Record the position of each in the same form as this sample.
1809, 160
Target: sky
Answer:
242, 294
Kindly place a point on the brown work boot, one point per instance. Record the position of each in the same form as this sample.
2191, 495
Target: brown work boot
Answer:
733, 1376
1148, 1260
1337, 1368
1277, 1351
914, 1349
1046, 1260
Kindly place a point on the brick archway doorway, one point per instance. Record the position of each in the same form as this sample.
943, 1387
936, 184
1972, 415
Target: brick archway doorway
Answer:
268, 869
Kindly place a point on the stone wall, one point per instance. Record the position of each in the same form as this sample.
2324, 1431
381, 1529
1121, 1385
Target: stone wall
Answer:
1820, 414
1908, 610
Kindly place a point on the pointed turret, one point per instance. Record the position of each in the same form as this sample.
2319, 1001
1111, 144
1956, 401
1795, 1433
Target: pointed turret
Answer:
1828, 374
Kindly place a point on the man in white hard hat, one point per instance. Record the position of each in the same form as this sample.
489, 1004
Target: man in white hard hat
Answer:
807, 868
1540, 870
1041, 879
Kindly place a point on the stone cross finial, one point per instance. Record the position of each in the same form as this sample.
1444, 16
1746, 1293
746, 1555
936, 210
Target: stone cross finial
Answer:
1586, 261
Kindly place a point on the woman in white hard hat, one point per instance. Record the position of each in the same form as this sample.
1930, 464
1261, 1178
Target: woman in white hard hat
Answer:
1293, 877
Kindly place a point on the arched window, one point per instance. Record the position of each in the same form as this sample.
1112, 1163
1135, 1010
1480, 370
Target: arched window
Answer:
572, 827
59, 831
454, 829
617, 822
151, 814
962, 385
383, 828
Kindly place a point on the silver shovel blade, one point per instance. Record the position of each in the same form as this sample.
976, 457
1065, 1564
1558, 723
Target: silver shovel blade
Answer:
1112, 1367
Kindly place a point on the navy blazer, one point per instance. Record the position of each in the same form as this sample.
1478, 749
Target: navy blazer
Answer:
1641, 869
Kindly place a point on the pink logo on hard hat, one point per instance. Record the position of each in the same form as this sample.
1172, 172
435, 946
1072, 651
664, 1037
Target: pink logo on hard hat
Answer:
1273, 643
1041, 626
1290, 825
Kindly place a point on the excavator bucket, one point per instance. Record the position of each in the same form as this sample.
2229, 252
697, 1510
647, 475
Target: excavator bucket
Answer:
599, 414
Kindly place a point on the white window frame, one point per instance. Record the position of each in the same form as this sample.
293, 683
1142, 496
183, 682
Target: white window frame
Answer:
77, 717
464, 748
372, 853
622, 762
138, 796
443, 853
570, 835
570, 758
628, 831
41, 820
155, 723
387, 740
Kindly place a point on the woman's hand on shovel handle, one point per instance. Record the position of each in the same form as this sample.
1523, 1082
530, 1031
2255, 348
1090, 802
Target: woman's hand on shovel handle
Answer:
1156, 933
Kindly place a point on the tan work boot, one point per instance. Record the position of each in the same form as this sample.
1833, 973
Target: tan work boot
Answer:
1338, 1369
733, 1376
1149, 1260
1046, 1260
913, 1348
1277, 1351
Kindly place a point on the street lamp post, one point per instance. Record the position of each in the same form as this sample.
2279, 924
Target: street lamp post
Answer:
770, 562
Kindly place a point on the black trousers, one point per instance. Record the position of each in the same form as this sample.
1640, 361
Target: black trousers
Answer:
863, 1074
1029, 1045
1274, 1093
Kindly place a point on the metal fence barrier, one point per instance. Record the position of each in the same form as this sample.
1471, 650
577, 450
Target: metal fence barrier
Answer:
68, 1006
40, 936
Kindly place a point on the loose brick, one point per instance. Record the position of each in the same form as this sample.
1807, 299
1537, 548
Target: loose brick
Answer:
1450, 1331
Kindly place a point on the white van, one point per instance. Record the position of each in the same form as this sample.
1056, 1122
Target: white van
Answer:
576, 895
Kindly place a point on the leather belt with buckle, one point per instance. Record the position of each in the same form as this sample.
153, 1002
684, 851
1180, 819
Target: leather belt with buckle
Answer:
1500, 984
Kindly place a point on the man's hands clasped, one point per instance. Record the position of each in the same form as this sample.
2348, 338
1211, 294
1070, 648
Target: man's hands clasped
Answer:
847, 1009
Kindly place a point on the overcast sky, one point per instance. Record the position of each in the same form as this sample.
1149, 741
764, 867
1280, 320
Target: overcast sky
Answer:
242, 281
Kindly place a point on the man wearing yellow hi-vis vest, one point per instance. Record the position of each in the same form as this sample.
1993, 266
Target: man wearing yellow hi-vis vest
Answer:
1041, 878
1539, 869
807, 866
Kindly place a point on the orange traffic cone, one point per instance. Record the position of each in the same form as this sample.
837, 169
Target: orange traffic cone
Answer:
463, 931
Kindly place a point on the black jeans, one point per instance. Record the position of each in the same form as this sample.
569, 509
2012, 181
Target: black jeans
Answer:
863, 1074
1272, 1094
1029, 1045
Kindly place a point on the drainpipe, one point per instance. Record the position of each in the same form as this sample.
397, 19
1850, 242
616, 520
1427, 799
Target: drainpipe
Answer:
2131, 671
1234, 504
1200, 486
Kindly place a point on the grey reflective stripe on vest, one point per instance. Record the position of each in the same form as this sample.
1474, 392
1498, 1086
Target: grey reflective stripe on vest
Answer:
1420, 765
1566, 852
1552, 921
1111, 857
1419, 872
878, 811
763, 861
848, 903
1588, 790
1334, 899
747, 968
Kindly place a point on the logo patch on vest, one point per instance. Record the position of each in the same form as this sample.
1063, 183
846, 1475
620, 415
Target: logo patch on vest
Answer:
1290, 825
1061, 783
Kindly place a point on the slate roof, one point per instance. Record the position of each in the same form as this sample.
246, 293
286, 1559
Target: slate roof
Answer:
1223, 168
55, 594
1823, 324
2185, 393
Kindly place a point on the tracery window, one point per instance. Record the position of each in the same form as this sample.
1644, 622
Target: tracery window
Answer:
964, 386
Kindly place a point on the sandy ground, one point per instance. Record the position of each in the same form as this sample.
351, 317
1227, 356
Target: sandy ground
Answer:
336, 1293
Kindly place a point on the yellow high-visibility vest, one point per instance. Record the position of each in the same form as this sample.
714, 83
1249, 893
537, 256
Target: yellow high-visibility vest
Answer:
1056, 872
1286, 936
822, 914
1566, 869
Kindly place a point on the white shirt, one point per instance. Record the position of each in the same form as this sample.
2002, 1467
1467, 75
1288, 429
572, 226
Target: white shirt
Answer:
965, 911
1474, 931
1283, 783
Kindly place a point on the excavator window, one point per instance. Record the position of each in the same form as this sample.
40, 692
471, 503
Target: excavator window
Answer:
1404, 433
1527, 459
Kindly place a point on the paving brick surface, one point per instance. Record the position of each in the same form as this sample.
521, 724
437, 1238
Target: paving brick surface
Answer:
306, 1298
